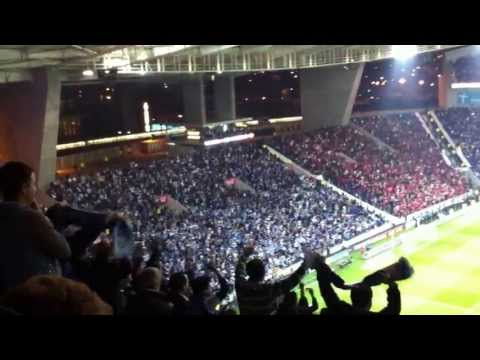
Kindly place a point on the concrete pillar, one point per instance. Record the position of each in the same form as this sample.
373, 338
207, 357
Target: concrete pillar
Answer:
129, 110
224, 93
328, 94
447, 97
194, 101
30, 114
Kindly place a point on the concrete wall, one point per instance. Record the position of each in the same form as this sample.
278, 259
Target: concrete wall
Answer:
7, 144
328, 94
29, 114
224, 94
194, 101
457, 97
130, 114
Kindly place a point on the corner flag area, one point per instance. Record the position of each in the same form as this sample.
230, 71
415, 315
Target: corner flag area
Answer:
445, 257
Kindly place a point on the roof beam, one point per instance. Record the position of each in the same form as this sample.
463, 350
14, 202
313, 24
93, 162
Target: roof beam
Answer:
212, 49
7, 77
254, 48
29, 64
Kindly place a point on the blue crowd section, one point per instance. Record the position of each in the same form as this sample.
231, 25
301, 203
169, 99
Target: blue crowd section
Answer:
285, 213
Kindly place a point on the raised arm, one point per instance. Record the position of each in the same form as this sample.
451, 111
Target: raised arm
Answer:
217, 298
314, 306
47, 239
154, 260
325, 277
394, 305
303, 300
240, 270
224, 285
286, 285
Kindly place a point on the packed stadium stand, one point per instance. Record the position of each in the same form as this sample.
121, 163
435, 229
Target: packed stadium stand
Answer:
408, 176
463, 125
238, 226
285, 213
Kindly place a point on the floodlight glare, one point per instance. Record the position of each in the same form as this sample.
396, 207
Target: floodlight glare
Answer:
404, 52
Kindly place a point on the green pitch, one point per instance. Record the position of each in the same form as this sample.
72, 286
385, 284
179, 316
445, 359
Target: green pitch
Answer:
446, 259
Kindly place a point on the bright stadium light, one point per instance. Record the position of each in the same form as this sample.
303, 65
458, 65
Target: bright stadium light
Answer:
87, 72
142, 56
146, 116
404, 52
471, 85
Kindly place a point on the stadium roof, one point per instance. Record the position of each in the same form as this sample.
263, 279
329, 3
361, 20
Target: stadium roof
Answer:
135, 60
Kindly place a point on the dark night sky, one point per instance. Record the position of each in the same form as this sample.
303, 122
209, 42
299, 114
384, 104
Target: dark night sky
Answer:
98, 110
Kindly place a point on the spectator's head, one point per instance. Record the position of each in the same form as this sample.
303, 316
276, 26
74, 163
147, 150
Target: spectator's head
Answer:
103, 249
179, 283
54, 295
18, 182
201, 285
149, 279
361, 297
256, 270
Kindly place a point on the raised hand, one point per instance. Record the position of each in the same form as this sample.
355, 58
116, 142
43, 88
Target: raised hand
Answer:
212, 266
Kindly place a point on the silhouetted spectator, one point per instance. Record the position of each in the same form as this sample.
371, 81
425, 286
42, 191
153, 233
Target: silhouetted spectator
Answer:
361, 295
180, 292
289, 304
108, 276
203, 300
148, 299
255, 297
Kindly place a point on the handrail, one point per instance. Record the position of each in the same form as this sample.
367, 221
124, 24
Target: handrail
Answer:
449, 139
440, 206
384, 214
379, 142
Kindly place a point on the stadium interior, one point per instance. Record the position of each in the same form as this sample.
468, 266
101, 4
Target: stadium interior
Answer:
233, 180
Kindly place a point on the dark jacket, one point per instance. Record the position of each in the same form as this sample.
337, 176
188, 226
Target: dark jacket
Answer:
181, 304
203, 305
148, 302
107, 277
29, 245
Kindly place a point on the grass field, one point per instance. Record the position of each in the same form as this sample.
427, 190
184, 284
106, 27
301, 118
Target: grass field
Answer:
446, 259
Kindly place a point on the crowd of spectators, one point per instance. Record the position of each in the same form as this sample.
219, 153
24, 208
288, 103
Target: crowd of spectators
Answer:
285, 212
463, 126
406, 176
193, 258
